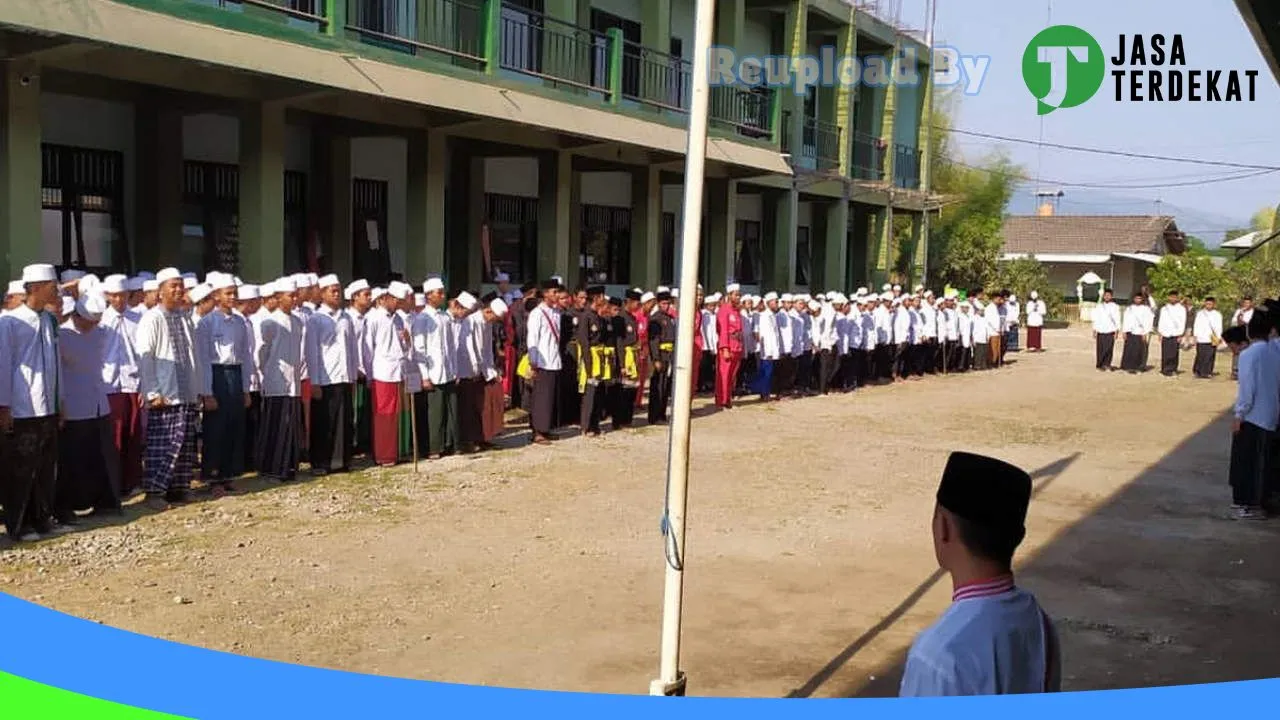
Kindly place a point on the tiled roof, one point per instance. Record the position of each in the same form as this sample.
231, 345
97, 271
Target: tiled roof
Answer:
1090, 234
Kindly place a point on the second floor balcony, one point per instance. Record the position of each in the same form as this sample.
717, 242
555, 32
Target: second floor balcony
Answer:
819, 143
510, 40
906, 166
868, 157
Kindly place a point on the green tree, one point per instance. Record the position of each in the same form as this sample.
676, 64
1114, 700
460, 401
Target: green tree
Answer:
1194, 276
1024, 275
965, 239
1264, 220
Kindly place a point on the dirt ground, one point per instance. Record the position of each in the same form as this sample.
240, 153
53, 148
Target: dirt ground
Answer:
809, 566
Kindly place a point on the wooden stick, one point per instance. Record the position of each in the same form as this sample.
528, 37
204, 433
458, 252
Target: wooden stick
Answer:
413, 424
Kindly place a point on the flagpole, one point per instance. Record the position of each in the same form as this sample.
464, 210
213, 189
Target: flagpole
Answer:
671, 681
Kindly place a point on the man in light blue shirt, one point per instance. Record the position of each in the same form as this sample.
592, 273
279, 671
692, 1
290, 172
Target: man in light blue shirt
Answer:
994, 639
1256, 414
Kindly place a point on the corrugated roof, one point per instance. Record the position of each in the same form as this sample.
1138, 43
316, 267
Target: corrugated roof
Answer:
1088, 234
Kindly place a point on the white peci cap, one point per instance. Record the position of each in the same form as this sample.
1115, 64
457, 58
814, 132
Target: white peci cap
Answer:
16, 287
328, 280
69, 275
498, 307
647, 297
467, 300
284, 285
200, 292
91, 307
150, 285
432, 284
248, 292
39, 273
68, 305
398, 290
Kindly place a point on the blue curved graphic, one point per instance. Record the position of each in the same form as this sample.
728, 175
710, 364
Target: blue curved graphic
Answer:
78, 656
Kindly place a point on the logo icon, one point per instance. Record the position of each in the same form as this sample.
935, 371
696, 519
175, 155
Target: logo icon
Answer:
1063, 67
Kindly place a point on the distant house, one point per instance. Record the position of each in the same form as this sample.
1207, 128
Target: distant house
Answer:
1117, 248
1244, 243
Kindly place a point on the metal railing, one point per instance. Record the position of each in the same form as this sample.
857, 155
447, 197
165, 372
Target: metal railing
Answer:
533, 44
452, 27
868, 157
311, 10
906, 166
656, 78
749, 111
819, 144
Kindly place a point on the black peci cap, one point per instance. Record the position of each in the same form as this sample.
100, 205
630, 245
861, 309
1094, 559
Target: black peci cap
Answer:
985, 491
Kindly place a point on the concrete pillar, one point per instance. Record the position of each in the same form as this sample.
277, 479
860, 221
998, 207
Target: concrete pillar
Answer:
655, 26
846, 96
555, 213
428, 170
457, 252
919, 246
889, 120
329, 192
475, 220
782, 213
721, 238
20, 168
157, 238
831, 247
646, 227
731, 18
796, 37
926, 120
262, 148
877, 248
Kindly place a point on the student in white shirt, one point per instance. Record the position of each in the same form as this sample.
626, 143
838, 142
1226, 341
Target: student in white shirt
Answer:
469, 331
384, 354
1171, 324
332, 355
884, 359
224, 350
359, 297
1106, 325
1241, 317
1256, 415
545, 362
1208, 334
169, 381
14, 296
1136, 325
994, 639
280, 435
982, 333
435, 352
965, 332
28, 408
483, 345
1036, 312
120, 373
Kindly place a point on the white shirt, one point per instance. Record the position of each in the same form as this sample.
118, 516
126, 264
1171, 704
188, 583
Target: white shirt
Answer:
801, 340
770, 337
1208, 327
158, 361
824, 329
383, 351
980, 329
995, 323
1242, 316
82, 392
928, 321
303, 314
1258, 391
120, 359
280, 358
965, 327
357, 329
223, 339
1106, 318
28, 363
255, 326
1137, 320
1036, 310
709, 331
786, 337
469, 347
901, 325
435, 346
870, 331
1173, 321
330, 347
988, 645
544, 338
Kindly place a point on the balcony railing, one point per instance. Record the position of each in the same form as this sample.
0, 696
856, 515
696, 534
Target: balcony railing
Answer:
533, 44
499, 35
868, 157
449, 27
819, 145
906, 166
746, 110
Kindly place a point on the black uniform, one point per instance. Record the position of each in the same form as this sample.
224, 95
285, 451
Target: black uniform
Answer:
627, 338
570, 398
596, 372
662, 344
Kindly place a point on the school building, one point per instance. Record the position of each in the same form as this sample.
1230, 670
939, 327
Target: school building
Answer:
459, 137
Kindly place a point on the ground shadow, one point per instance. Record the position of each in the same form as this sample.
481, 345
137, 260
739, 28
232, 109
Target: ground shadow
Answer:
1155, 587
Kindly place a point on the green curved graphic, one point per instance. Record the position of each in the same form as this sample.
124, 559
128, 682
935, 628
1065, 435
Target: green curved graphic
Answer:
20, 697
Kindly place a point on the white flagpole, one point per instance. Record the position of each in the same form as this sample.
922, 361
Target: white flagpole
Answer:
670, 680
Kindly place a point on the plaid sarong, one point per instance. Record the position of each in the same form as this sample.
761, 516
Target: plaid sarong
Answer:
171, 448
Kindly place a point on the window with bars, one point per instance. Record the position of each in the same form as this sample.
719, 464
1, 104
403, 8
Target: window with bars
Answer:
82, 208
747, 250
211, 218
602, 22
605, 245
371, 258
512, 242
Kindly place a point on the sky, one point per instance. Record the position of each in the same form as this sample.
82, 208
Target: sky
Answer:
1215, 37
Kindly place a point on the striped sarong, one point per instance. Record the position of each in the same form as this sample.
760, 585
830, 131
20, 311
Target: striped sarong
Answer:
170, 460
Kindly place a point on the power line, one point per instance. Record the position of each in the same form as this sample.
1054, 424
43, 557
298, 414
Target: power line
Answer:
1114, 153
1106, 186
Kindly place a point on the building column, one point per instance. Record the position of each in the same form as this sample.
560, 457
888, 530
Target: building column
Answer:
846, 96
782, 210
330, 198
457, 251
796, 44
262, 149
476, 217
428, 169
20, 168
889, 120
878, 248
646, 227
731, 18
157, 240
655, 34
555, 213
830, 249
721, 237
919, 246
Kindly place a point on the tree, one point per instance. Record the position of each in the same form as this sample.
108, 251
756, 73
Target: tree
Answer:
1194, 276
965, 241
1024, 275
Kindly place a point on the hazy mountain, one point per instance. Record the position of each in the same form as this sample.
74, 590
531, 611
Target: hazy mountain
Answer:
1095, 202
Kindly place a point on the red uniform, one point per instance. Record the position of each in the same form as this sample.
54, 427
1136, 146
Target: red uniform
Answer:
642, 362
729, 353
